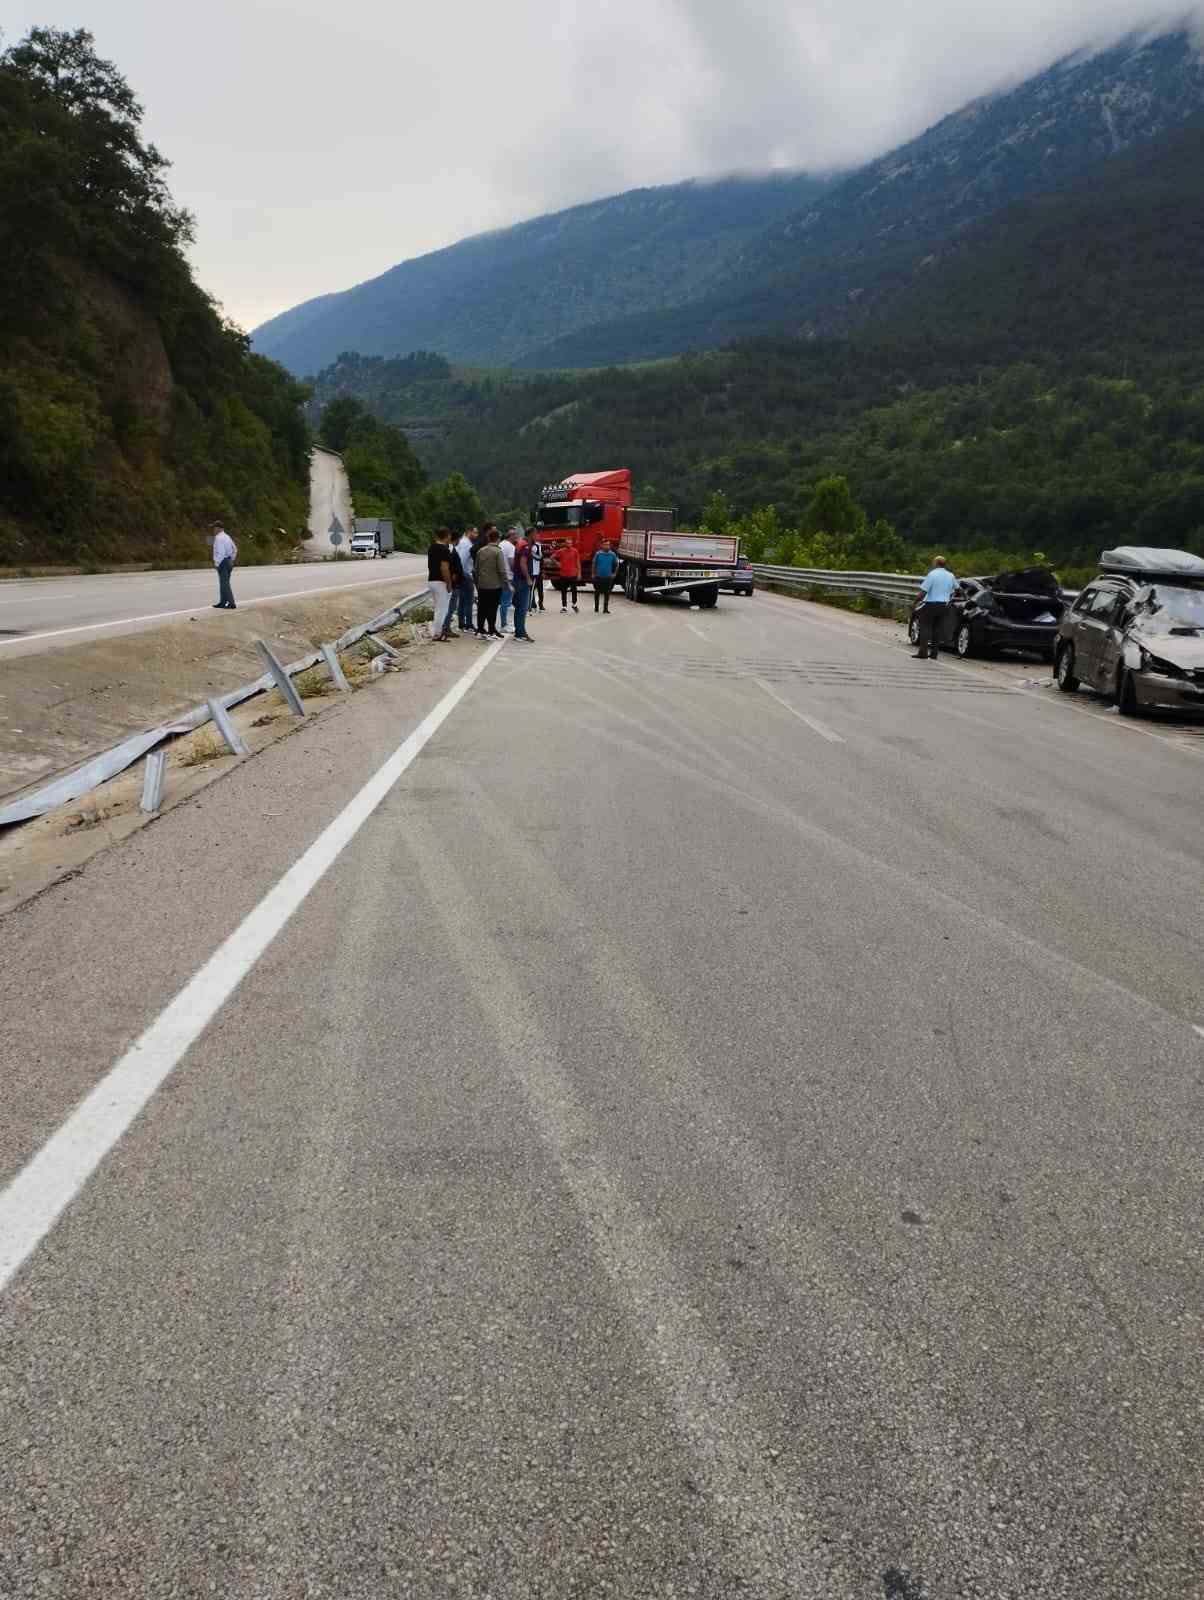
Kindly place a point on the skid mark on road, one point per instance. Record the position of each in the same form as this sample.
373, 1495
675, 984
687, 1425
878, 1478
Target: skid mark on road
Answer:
813, 723
770, 1529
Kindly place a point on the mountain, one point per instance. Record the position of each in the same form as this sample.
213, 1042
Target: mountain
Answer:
655, 272
498, 296
864, 239
1038, 385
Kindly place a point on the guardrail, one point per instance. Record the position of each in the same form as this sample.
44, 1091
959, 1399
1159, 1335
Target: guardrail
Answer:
900, 587
71, 785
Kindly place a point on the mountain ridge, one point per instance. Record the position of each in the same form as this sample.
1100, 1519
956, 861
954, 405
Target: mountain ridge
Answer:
743, 256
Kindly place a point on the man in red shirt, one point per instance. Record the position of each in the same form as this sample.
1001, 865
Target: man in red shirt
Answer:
569, 565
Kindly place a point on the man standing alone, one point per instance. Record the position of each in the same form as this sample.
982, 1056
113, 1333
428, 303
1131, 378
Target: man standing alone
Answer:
606, 564
225, 554
937, 588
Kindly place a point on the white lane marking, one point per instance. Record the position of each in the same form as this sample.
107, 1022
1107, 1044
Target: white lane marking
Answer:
32, 599
813, 723
1198, 1029
42, 1191
186, 611
697, 631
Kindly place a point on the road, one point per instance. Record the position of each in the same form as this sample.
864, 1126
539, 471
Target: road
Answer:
39, 614
718, 1119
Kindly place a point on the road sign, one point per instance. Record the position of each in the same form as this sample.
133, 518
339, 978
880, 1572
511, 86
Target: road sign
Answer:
336, 532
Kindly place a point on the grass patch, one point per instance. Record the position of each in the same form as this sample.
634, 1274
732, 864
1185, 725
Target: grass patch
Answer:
312, 683
206, 745
89, 817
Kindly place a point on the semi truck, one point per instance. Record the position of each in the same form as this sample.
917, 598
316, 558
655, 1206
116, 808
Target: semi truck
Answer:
589, 509
372, 536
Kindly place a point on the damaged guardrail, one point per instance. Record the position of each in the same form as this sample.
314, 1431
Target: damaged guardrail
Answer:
70, 785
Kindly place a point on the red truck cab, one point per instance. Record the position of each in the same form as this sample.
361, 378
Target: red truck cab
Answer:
588, 509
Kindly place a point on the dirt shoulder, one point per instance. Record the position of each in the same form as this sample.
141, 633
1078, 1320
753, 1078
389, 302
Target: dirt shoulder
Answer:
60, 709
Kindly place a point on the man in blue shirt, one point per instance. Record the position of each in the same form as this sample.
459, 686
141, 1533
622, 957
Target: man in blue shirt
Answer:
606, 564
938, 589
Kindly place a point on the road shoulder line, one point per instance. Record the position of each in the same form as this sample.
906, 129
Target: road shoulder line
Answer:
40, 1193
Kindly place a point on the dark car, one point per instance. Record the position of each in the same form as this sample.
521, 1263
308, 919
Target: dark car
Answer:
1136, 633
741, 581
1014, 611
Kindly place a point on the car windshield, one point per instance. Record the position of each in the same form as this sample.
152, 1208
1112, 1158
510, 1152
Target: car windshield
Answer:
1172, 607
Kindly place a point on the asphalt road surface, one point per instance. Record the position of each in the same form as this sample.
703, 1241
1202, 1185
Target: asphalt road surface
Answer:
39, 614
718, 1119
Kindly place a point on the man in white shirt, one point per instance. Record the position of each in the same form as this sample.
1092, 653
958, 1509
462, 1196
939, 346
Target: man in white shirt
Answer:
225, 553
938, 588
467, 588
506, 546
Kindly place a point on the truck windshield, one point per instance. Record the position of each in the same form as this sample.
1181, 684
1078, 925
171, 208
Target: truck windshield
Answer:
567, 515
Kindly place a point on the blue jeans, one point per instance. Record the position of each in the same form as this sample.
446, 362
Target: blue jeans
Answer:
522, 602
225, 594
503, 615
465, 597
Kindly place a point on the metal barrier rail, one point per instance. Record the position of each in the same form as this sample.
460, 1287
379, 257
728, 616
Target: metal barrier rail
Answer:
71, 785
901, 587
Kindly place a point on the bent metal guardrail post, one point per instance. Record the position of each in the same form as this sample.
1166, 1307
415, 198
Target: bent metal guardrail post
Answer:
331, 657
152, 781
281, 679
223, 724
80, 780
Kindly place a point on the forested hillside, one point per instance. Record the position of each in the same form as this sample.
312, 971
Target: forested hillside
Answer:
131, 413
503, 295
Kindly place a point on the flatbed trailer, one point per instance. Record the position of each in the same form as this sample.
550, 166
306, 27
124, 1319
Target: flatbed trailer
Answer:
655, 562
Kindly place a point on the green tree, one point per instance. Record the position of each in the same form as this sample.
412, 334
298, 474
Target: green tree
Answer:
452, 503
338, 421
717, 513
833, 510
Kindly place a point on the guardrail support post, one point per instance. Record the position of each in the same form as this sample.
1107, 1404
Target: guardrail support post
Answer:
281, 679
152, 781
331, 657
221, 720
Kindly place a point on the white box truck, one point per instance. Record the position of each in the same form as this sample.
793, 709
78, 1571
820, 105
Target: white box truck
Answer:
372, 536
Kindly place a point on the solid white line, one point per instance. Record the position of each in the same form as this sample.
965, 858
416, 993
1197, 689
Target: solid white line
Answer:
160, 616
32, 599
1198, 1029
813, 723
41, 1192
695, 630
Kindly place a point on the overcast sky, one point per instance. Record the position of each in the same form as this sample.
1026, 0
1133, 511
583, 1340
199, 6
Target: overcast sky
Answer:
319, 142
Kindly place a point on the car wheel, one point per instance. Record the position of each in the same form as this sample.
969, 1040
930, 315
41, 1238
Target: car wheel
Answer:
913, 630
1126, 695
1064, 670
964, 643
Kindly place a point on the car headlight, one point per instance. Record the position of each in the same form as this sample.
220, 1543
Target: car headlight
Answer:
1161, 669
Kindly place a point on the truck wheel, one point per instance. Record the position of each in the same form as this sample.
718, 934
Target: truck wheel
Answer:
704, 599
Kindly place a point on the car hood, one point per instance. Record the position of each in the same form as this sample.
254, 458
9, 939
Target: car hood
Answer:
1180, 649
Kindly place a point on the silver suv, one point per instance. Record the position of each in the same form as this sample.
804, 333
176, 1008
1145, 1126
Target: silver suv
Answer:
1136, 633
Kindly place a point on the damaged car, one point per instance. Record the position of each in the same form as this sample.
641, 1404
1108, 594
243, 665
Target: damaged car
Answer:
1014, 611
1136, 633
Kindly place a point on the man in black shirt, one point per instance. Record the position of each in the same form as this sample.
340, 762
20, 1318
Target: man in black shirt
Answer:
439, 576
457, 578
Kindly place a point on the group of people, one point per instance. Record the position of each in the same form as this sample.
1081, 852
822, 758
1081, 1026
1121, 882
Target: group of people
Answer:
503, 574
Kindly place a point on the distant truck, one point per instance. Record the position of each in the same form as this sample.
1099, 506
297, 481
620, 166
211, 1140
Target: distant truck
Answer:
372, 536
589, 509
